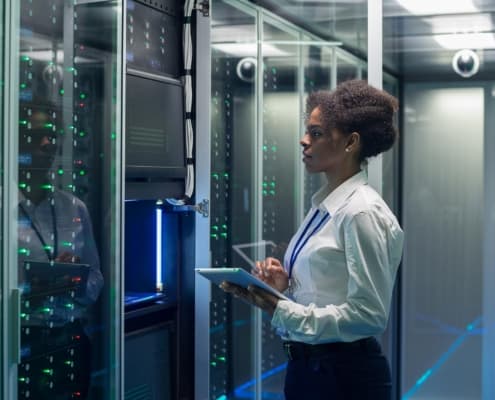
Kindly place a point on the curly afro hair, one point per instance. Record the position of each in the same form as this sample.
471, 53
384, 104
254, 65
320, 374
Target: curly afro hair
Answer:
355, 106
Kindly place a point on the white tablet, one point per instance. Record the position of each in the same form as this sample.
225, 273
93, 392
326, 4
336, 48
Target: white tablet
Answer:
238, 276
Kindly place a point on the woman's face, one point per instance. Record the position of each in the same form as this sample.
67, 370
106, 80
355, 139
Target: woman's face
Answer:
323, 151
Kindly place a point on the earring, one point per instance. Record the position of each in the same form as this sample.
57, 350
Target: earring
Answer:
347, 149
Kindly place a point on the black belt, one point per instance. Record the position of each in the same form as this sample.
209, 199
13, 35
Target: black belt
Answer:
298, 350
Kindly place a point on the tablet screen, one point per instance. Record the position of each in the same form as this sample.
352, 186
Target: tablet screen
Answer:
238, 276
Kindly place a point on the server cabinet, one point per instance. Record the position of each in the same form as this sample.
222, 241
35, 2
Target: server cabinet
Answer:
62, 196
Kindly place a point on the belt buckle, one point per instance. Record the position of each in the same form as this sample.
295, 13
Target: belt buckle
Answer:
288, 351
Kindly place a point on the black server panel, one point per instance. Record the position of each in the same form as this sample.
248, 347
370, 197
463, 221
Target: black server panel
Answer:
154, 36
149, 358
232, 214
155, 146
54, 352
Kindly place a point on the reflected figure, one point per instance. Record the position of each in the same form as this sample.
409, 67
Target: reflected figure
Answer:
59, 268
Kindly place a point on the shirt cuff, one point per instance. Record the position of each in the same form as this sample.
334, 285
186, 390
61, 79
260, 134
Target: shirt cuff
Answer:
280, 314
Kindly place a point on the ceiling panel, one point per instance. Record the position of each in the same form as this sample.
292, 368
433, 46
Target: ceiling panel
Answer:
416, 46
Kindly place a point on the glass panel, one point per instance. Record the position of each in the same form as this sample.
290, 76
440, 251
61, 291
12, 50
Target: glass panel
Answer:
233, 130
347, 69
2, 138
443, 254
281, 165
67, 199
317, 61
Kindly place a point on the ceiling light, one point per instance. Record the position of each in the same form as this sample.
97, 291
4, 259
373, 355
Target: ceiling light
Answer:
432, 7
249, 49
458, 41
460, 23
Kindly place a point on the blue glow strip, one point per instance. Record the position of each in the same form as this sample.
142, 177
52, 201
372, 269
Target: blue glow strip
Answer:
443, 359
240, 389
159, 283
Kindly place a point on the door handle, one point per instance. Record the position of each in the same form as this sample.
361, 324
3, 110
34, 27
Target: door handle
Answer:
16, 326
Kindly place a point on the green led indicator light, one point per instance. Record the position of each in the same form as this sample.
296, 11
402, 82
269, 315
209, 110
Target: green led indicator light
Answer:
47, 247
265, 148
215, 176
48, 125
60, 171
68, 362
71, 69
22, 379
82, 172
272, 192
23, 86
224, 226
274, 149
62, 91
82, 133
47, 186
226, 175
70, 306
214, 227
265, 184
222, 359
68, 244
48, 371
272, 184
113, 136
213, 364
264, 193
23, 185
224, 235
274, 70
82, 96
23, 122
25, 58
23, 315
23, 250
214, 236
46, 309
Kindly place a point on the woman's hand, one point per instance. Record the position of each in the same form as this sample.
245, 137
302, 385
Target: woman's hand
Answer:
253, 295
272, 272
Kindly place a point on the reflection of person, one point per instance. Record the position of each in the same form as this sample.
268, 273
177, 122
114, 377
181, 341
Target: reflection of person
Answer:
54, 226
340, 266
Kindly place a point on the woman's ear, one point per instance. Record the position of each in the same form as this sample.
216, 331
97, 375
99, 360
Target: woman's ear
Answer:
353, 142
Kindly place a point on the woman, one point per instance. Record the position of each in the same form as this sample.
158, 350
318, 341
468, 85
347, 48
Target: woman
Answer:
340, 266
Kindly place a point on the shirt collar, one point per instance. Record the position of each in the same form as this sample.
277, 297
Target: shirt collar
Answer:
331, 201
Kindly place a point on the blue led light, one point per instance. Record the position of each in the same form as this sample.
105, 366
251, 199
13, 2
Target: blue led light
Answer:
243, 392
443, 358
159, 283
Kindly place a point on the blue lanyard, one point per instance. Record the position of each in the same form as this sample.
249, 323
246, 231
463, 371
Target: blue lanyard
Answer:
303, 238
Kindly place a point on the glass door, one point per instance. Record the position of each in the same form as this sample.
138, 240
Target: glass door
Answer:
65, 198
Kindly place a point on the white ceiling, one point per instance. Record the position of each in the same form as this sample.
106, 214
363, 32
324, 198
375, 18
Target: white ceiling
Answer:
416, 46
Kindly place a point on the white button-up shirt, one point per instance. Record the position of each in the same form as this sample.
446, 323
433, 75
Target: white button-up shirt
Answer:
342, 264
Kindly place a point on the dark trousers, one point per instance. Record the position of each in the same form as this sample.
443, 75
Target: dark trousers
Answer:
356, 371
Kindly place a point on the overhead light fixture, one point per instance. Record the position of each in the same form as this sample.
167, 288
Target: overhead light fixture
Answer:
432, 7
457, 41
470, 23
466, 63
249, 49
